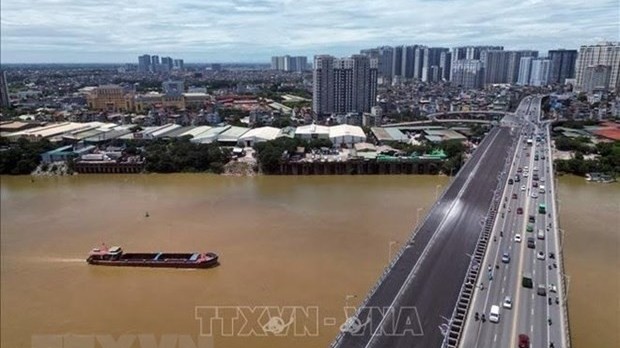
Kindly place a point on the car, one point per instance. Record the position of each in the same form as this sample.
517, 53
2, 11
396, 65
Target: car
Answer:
552, 288
543, 157
522, 187
510, 181
540, 255
519, 170
531, 219
524, 341
519, 211
529, 228
525, 175
514, 196
535, 184
506, 258
542, 179
534, 195
551, 255
531, 243
517, 238
507, 302
494, 314
542, 291
526, 168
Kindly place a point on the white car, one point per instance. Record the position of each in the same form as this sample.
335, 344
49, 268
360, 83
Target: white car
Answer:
534, 195
525, 175
552, 288
507, 302
517, 238
542, 179
523, 188
540, 255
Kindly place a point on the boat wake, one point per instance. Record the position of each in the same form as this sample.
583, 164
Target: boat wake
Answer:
56, 260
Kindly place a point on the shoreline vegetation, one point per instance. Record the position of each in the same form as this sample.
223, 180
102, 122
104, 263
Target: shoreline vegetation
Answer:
584, 155
180, 155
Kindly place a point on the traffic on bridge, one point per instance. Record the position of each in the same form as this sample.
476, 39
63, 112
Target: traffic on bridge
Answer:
506, 191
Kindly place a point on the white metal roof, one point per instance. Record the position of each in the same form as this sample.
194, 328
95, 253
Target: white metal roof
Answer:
346, 130
267, 133
312, 129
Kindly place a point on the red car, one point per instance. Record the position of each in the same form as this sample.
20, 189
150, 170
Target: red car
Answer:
524, 341
519, 210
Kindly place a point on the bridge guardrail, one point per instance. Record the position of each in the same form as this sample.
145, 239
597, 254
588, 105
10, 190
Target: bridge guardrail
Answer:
395, 259
560, 252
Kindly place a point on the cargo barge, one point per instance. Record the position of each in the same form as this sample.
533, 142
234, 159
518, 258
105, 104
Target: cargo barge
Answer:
115, 256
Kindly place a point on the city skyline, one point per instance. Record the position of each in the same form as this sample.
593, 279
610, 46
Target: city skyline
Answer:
61, 31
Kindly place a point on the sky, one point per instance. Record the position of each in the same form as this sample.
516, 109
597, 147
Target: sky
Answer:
206, 31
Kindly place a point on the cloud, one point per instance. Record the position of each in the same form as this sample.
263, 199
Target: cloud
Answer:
253, 30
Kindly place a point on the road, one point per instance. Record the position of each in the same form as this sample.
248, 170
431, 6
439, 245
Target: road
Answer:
430, 271
530, 312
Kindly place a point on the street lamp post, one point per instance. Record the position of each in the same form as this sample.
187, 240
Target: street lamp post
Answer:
437, 191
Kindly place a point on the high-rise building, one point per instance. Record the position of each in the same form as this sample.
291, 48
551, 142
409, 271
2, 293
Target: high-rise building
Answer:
471, 53
607, 54
342, 85
144, 63
418, 62
514, 60
5, 101
431, 62
540, 72
496, 66
323, 84
179, 64
468, 73
445, 62
384, 56
525, 71
596, 78
397, 61
562, 65
154, 61
288, 63
166, 64
408, 61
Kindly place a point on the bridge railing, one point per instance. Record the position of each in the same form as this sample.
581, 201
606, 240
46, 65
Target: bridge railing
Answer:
395, 259
452, 335
560, 252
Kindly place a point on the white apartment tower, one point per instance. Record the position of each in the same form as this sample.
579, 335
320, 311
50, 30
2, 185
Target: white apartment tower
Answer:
605, 54
541, 71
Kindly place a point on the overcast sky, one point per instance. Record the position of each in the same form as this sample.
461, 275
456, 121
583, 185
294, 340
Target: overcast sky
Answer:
114, 31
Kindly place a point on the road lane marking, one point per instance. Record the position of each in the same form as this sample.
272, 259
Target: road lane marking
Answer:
521, 258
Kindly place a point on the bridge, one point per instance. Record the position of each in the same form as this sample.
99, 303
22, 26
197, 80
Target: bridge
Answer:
484, 117
430, 292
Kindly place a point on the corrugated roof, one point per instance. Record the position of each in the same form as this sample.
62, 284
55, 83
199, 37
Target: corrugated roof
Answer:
232, 134
267, 133
346, 130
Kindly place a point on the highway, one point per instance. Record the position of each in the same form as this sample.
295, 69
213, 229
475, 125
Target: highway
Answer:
540, 316
429, 272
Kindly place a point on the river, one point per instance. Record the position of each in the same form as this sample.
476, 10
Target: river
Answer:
302, 245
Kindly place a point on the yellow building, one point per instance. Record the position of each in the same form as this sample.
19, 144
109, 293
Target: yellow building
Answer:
110, 98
